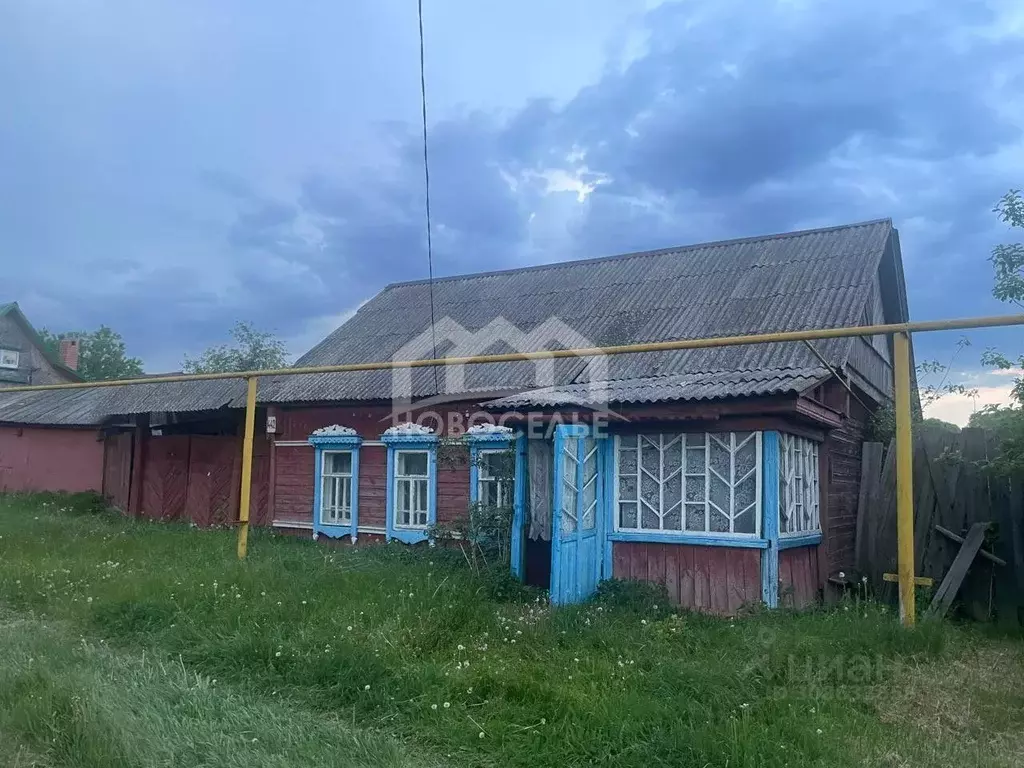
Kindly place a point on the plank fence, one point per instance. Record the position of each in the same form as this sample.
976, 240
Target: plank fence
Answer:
953, 490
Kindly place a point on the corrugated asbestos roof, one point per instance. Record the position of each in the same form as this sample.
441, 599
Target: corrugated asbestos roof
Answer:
72, 407
812, 279
802, 280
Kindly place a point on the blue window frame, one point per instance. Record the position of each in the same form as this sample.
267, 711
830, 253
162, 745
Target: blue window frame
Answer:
485, 489
336, 483
412, 486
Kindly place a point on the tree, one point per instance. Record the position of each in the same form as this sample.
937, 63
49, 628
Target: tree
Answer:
1008, 422
101, 353
254, 350
939, 424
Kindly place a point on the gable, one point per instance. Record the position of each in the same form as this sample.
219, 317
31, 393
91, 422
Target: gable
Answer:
35, 363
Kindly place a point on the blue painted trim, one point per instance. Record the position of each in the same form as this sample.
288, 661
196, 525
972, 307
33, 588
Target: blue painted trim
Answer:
699, 540
519, 509
609, 510
770, 522
580, 560
800, 540
556, 516
397, 443
573, 430
331, 443
497, 439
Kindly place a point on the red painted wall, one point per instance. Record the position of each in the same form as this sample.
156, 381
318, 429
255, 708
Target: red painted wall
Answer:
798, 577
38, 459
711, 579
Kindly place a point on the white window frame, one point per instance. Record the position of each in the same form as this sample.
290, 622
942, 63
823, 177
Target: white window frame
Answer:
505, 487
414, 482
10, 362
685, 477
343, 479
799, 485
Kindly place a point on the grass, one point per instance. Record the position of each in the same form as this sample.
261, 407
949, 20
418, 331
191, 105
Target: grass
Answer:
135, 643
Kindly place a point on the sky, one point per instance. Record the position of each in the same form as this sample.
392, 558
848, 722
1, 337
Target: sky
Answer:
170, 167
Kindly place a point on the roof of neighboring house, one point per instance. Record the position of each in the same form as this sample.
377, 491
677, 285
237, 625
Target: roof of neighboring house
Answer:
801, 280
12, 308
77, 407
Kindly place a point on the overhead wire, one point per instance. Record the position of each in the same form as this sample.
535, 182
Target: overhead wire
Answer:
426, 179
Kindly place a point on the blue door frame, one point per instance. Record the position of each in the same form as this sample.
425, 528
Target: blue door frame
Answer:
579, 511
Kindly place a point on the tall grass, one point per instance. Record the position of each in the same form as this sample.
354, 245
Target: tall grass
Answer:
411, 646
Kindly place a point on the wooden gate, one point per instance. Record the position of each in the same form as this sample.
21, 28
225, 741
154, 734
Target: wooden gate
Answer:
213, 480
952, 490
165, 476
117, 469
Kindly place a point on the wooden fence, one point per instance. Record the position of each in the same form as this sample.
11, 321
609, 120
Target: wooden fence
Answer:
952, 491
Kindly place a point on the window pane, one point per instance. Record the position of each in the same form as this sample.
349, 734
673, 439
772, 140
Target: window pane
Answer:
719, 522
695, 488
695, 461
649, 520
746, 458
745, 523
627, 461
627, 441
650, 491
673, 520
627, 515
672, 459
421, 495
695, 518
627, 487
338, 463
720, 494
720, 457
410, 463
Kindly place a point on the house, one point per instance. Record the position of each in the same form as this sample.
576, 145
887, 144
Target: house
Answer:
33, 455
729, 474
25, 359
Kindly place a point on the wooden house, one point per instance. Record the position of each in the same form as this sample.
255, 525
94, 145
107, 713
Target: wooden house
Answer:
730, 475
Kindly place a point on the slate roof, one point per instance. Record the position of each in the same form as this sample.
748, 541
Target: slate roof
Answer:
812, 279
79, 407
800, 280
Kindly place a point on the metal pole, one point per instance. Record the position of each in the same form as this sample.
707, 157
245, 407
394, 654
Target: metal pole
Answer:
904, 479
243, 504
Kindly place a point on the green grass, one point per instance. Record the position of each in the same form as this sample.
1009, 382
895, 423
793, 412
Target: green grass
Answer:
386, 656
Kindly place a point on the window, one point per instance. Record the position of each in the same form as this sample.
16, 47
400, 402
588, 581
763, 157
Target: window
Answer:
336, 493
412, 476
798, 486
493, 488
9, 358
689, 483
336, 498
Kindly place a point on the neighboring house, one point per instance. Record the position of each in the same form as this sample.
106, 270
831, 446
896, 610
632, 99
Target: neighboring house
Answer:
25, 359
33, 455
729, 474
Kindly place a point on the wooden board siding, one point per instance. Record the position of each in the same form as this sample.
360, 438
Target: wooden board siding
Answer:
165, 477
293, 483
117, 469
213, 480
373, 485
843, 450
798, 577
711, 579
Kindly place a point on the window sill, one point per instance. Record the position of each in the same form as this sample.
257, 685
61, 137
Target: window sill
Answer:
697, 540
800, 540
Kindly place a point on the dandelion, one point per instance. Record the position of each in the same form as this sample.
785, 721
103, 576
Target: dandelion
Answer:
842, 575
543, 721
447, 704
461, 647
481, 735
303, 602
277, 654
263, 594
744, 705
433, 706
644, 621
366, 687
819, 731
349, 627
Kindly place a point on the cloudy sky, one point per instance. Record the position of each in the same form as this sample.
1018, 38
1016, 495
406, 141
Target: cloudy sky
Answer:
170, 166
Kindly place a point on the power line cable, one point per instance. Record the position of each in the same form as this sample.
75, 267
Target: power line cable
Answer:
426, 178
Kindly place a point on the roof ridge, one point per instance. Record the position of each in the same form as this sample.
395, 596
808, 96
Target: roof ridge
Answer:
638, 254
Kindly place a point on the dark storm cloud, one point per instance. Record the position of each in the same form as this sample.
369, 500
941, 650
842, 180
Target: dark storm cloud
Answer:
730, 119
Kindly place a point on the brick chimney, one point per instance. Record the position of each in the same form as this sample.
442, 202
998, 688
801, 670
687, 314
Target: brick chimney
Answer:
69, 353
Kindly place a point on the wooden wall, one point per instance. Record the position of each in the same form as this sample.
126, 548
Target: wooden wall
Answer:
293, 490
198, 478
117, 469
798, 577
841, 473
711, 579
